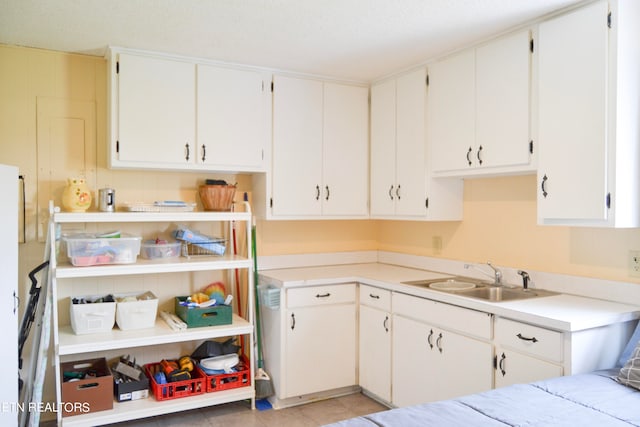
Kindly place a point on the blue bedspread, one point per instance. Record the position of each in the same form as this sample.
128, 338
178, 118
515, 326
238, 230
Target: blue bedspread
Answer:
593, 399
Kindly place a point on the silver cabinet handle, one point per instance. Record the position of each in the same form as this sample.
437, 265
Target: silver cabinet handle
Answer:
398, 192
317, 192
478, 154
468, 158
385, 324
187, 154
327, 189
429, 339
438, 342
204, 152
391, 192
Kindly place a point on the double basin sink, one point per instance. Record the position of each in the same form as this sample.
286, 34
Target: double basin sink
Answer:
478, 289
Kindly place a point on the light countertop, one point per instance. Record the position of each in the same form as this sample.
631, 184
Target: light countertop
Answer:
561, 312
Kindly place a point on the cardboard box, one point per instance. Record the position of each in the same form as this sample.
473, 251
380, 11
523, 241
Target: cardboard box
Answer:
208, 316
87, 386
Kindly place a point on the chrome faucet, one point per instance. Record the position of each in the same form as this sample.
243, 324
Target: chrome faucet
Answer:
496, 276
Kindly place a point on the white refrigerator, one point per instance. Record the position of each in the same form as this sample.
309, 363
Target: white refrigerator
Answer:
9, 297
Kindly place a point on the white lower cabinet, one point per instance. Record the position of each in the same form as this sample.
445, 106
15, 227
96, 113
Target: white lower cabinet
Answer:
431, 361
310, 342
526, 353
513, 367
374, 361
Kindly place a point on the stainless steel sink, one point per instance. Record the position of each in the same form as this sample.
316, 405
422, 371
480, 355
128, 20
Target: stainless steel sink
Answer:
502, 293
479, 289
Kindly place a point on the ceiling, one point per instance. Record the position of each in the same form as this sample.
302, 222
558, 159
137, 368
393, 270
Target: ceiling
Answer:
359, 40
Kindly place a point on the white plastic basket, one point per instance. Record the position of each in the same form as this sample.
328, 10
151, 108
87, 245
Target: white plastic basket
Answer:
269, 296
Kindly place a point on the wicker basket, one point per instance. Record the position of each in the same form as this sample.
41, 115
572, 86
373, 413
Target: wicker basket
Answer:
217, 197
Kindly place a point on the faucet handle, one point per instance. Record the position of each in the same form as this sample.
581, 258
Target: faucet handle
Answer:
525, 278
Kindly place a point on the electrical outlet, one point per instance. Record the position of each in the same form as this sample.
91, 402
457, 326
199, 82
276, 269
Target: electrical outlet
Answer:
436, 242
634, 263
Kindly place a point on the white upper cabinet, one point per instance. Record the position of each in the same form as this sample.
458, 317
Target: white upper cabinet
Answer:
451, 112
154, 113
401, 186
233, 120
319, 161
479, 109
503, 70
181, 114
345, 150
589, 84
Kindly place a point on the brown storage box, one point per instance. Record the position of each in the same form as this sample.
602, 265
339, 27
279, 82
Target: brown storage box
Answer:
89, 394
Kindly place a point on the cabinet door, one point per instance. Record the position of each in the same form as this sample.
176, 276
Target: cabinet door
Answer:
232, 119
156, 111
411, 177
383, 148
375, 352
345, 167
297, 146
572, 175
413, 362
10, 301
502, 101
465, 365
513, 367
451, 112
320, 349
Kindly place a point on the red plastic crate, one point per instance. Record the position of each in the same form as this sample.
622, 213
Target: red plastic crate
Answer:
241, 378
174, 390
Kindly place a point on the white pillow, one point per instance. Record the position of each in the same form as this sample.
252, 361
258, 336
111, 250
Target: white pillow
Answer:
630, 373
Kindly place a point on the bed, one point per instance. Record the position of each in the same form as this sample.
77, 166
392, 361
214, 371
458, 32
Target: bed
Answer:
602, 398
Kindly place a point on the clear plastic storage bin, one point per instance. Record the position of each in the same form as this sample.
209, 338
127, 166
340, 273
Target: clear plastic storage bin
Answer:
85, 249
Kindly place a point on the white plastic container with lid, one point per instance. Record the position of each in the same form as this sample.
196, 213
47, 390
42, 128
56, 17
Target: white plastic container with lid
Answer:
111, 248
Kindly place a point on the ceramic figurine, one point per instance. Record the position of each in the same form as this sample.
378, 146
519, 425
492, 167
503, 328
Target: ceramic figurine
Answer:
76, 196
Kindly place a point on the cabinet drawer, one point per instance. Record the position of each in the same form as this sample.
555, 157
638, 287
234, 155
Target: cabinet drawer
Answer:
447, 316
321, 295
529, 339
375, 297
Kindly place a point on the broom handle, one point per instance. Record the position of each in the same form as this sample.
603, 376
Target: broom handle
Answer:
255, 283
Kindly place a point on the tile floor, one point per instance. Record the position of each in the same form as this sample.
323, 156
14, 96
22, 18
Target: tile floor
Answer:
240, 415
